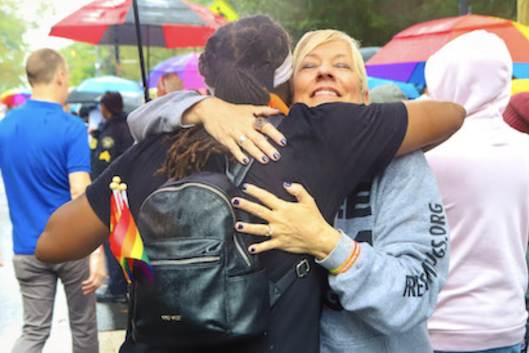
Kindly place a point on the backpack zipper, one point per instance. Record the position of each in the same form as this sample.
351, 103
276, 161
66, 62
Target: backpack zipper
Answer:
194, 260
241, 251
222, 196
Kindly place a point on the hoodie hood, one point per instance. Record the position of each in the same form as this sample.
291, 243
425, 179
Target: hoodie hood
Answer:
475, 71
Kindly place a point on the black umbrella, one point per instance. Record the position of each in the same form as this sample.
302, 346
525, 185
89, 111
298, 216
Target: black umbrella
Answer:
164, 23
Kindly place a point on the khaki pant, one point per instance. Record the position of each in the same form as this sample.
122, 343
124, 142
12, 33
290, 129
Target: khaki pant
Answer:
38, 284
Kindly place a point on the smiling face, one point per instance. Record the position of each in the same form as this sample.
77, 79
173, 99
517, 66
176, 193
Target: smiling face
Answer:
328, 73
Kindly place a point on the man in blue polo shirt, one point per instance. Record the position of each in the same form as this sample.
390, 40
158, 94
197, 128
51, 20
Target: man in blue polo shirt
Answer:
45, 162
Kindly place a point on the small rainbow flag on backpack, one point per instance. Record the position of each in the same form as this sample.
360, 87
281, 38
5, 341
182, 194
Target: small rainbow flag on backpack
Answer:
125, 240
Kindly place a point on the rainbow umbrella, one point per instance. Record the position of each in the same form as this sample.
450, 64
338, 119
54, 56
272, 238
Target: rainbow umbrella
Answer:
520, 86
185, 66
403, 58
14, 97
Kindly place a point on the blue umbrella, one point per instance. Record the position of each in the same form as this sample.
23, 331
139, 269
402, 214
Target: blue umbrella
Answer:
108, 83
91, 90
411, 90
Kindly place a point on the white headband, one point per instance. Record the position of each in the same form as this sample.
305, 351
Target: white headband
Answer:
283, 73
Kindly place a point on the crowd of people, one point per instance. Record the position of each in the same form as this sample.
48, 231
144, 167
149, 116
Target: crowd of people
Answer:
414, 240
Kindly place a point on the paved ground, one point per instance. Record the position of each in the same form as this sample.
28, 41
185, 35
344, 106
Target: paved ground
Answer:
111, 317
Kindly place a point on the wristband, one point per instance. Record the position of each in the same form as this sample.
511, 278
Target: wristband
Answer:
349, 262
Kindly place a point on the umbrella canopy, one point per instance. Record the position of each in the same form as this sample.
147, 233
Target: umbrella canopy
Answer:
14, 97
108, 83
411, 90
91, 90
520, 86
404, 57
185, 66
164, 23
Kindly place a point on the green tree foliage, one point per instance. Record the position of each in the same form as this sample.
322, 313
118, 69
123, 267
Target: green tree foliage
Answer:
12, 47
373, 22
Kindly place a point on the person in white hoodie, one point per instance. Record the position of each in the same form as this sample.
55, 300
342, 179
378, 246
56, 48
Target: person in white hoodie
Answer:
483, 176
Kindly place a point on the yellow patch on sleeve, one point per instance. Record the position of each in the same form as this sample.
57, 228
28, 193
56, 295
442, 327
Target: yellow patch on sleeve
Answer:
105, 156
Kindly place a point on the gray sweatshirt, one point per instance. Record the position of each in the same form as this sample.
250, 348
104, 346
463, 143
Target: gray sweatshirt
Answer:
391, 290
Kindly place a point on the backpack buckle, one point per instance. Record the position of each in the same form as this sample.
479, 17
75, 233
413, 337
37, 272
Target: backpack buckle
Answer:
302, 268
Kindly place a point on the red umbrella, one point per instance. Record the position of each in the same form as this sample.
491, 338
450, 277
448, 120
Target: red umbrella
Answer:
403, 58
164, 23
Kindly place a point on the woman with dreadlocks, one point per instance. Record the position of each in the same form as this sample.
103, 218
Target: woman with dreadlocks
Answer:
330, 148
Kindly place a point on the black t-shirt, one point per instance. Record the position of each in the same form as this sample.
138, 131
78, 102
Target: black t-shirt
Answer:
330, 149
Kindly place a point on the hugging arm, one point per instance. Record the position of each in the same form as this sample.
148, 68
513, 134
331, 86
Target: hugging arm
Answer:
162, 114
430, 123
392, 285
226, 122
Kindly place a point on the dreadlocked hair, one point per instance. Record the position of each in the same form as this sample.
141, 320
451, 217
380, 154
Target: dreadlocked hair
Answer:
189, 152
239, 62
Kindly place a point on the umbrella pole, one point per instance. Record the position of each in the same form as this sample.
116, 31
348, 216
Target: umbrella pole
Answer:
118, 61
140, 51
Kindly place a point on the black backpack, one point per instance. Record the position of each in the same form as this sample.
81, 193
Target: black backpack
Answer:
207, 288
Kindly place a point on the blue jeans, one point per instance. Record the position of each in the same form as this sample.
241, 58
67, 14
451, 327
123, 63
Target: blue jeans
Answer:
517, 348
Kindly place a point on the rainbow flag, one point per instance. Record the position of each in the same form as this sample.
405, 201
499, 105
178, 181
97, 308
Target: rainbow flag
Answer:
125, 240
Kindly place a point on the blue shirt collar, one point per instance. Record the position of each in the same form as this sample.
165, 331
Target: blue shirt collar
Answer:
42, 104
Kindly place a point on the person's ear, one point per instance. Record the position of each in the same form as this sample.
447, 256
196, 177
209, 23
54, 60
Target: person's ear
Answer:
60, 77
366, 97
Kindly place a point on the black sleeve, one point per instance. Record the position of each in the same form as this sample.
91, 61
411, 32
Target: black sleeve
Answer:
98, 193
136, 167
366, 134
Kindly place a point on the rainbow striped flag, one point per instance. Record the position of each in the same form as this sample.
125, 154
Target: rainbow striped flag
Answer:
125, 240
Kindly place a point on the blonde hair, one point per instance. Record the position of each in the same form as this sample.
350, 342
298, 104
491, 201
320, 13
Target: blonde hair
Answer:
312, 40
42, 65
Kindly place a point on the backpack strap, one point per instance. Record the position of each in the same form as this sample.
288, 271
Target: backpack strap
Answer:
302, 265
300, 270
238, 172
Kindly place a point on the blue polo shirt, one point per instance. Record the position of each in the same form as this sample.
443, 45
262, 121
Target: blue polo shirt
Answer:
40, 145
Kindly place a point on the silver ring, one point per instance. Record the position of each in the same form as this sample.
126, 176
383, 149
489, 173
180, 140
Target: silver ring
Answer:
241, 140
269, 230
259, 122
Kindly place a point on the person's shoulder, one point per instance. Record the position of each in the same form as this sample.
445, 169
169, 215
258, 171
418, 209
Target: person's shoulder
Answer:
410, 159
71, 120
412, 165
153, 142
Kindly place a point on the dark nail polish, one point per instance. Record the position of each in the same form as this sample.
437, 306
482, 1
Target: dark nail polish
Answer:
245, 160
265, 159
276, 156
235, 202
239, 226
252, 249
244, 187
287, 184
283, 142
